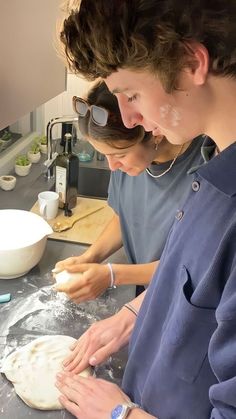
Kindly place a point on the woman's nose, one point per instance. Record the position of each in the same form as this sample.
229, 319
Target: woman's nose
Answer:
129, 115
113, 163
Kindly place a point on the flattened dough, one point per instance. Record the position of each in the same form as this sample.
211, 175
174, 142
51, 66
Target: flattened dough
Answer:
32, 369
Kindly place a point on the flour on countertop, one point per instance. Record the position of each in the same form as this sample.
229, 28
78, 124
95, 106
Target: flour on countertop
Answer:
45, 311
34, 312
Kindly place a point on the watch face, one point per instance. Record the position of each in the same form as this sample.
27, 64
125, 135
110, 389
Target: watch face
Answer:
117, 412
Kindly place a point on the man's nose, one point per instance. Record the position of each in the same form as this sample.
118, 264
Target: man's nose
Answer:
129, 115
113, 163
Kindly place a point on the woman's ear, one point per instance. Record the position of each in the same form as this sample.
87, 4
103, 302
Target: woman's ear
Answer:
200, 63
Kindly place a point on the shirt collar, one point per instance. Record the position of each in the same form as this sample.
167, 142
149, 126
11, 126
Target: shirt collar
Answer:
208, 149
220, 170
207, 152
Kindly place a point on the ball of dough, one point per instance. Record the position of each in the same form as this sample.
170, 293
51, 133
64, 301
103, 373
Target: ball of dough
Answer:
65, 276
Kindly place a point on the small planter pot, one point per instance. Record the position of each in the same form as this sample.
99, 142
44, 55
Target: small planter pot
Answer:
43, 148
34, 157
7, 182
6, 143
22, 170
1, 145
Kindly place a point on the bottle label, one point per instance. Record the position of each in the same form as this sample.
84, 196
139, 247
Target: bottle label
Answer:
61, 183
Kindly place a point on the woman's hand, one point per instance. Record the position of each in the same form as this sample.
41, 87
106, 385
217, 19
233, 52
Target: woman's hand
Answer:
100, 341
94, 281
89, 398
70, 262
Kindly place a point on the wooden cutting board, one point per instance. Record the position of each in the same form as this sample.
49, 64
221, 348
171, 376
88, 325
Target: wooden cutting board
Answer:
86, 230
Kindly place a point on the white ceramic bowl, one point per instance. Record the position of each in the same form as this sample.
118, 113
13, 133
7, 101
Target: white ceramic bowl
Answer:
7, 182
22, 243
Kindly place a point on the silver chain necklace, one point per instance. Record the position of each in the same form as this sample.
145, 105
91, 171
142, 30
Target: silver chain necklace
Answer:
169, 168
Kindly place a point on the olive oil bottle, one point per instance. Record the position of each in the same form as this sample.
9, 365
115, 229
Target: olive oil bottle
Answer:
67, 176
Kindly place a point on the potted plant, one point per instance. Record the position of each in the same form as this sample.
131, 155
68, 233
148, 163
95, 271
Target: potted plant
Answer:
43, 144
34, 152
22, 165
6, 139
7, 182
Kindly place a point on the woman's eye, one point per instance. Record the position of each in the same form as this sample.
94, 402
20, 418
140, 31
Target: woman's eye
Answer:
132, 98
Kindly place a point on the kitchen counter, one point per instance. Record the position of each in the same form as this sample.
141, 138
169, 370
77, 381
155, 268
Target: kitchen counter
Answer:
35, 309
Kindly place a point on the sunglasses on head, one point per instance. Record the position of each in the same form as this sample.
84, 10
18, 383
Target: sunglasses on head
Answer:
98, 114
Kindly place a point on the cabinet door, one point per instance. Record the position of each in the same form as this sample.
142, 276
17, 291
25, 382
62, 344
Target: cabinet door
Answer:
30, 70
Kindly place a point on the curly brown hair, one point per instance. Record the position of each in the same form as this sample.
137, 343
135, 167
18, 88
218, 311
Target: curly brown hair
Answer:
114, 133
102, 36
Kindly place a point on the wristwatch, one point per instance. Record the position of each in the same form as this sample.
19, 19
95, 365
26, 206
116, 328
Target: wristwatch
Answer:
121, 411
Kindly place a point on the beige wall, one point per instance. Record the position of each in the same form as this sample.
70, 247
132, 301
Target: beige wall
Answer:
62, 104
30, 71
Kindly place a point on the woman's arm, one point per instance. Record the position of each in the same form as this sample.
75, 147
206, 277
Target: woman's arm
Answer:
139, 274
96, 279
108, 242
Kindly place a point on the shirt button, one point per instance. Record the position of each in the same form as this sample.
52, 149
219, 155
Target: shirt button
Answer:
195, 186
179, 215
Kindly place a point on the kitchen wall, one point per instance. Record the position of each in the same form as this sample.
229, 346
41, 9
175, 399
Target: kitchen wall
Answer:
31, 70
31, 74
62, 104
59, 106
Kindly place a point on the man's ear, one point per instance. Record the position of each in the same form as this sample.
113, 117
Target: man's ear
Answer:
200, 65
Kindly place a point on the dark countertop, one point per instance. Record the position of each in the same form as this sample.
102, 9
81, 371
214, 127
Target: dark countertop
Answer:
35, 309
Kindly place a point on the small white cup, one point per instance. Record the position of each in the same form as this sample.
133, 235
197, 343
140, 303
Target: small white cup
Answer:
48, 204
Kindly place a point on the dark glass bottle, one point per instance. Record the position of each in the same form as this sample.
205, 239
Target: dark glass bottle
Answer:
67, 176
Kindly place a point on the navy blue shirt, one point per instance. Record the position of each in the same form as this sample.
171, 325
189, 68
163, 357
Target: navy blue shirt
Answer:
182, 356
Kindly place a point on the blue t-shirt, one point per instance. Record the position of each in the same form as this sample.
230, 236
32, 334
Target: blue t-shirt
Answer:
147, 206
182, 357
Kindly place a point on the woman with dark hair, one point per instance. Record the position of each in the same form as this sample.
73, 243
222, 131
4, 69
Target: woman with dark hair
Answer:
148, 183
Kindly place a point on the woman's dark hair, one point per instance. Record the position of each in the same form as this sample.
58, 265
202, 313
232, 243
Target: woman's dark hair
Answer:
114, 133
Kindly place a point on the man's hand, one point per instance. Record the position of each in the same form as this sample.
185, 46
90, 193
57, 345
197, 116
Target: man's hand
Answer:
100, 341
93, 398
89, 398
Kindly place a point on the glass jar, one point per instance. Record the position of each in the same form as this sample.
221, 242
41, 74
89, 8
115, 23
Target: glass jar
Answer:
84, 150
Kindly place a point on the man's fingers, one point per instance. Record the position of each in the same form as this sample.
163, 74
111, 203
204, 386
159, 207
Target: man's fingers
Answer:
72, 407
79, 350
101, 355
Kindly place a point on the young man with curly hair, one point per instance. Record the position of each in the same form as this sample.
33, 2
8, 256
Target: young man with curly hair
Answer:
172, 66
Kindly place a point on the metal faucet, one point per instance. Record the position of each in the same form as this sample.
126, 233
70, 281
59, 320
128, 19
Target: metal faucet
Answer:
52, 155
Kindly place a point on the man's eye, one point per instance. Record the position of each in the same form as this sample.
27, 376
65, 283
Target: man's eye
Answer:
132, 98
